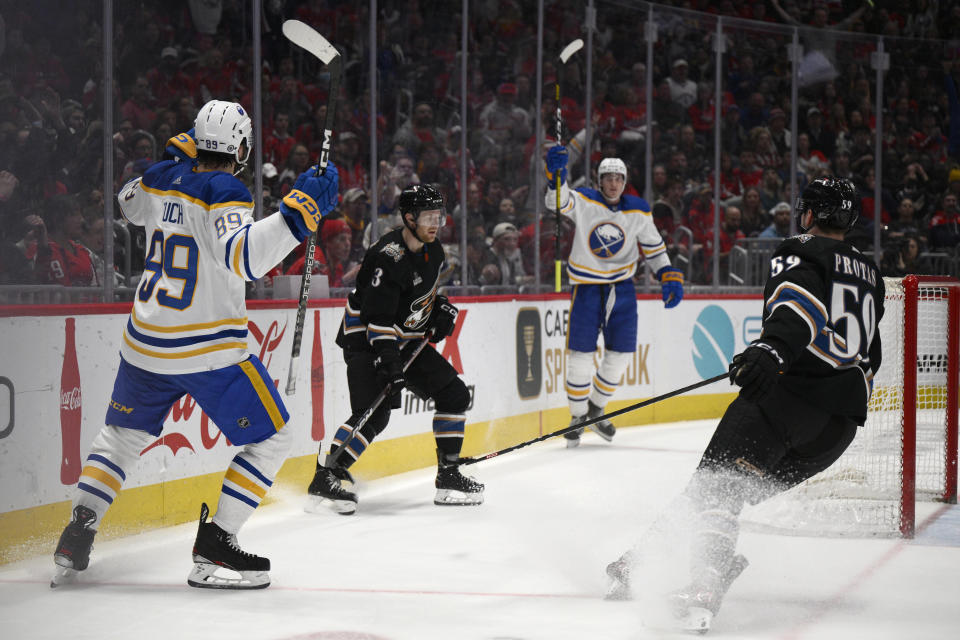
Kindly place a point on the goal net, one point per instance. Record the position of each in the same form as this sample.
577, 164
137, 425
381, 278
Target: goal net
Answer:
907, 450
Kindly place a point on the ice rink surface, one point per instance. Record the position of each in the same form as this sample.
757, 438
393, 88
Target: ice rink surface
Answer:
529, 563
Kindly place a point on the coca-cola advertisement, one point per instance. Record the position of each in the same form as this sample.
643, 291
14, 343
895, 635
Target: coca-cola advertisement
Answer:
71, 408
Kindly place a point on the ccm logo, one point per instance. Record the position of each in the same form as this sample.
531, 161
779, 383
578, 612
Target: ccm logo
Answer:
119, 407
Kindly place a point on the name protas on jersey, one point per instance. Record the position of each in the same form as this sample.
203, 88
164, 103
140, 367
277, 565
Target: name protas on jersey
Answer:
853, 267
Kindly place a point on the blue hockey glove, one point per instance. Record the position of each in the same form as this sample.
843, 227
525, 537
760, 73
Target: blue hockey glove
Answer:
311, 198
756, 370
183, 147
671, 284
443, 320
556, 161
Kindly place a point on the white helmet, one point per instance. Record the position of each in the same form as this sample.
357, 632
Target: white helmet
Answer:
612, 165
221, 127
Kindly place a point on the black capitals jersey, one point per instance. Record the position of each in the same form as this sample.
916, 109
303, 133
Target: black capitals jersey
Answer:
822, 306
394, 296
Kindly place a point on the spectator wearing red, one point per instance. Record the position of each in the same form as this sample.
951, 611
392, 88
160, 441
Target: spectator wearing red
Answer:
729, 181
277, 146
353, 173
332, 255
167, 82
419, 128
749, 173
60, 258
214, 78
138, 108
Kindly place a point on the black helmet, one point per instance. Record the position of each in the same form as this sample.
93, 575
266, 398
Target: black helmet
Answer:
834, 203
417, 198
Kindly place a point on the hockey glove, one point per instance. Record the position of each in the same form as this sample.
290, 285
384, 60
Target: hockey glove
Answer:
756, 370
671, 284
390, 372
444, 319
183, 147
311, 198
556, 161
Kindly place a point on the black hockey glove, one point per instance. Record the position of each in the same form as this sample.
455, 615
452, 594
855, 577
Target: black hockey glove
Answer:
390, 372
444, 319
756, 370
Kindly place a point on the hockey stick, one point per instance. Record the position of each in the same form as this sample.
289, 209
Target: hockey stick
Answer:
587, 423
373, 405
568, 51
306, 38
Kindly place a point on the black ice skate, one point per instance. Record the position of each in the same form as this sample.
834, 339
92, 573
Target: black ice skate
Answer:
454, 488
326, 492
216, 549
573, 437
619, 573
604, 428
695, 606
73, 549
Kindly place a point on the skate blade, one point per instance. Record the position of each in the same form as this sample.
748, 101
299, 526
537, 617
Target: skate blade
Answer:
62, 576
572, 443
608, 436
451, 497
318, 505
696, 620
204, 576
618, 591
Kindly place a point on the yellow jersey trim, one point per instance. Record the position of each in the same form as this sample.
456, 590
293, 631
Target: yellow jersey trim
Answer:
263, 393
185, 327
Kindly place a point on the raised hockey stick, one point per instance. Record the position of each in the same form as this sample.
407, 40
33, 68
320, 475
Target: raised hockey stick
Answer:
373, 405
612, 414
568, 51
306, 38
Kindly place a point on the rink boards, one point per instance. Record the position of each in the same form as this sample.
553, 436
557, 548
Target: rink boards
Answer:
509, 349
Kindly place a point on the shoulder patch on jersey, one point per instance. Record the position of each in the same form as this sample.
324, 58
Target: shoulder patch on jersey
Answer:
394, 250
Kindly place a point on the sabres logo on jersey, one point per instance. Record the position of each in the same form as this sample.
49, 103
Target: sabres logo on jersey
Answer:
606, 239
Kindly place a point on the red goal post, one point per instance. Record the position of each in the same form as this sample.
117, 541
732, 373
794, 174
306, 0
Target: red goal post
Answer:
918, 397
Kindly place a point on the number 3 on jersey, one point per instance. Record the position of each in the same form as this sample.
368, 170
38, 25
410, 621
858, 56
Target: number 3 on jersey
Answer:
175, 258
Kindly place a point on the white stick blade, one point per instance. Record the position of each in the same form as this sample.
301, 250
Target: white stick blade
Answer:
568, 50
304, 36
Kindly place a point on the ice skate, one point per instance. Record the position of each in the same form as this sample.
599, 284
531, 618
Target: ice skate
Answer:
573, 437
619, 587
216, 549
695, 606
73, 549
326, 492
603, 428
454, 488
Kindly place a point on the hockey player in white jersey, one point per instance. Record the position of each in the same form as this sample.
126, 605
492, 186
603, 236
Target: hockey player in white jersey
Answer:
187, 334
611, 230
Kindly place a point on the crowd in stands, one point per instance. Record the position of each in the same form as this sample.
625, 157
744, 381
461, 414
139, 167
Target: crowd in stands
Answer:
171, 57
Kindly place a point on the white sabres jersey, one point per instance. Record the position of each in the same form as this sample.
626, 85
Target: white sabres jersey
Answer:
608, 238
202, 244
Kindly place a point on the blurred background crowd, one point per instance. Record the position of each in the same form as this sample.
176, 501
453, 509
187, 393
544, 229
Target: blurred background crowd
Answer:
779, 121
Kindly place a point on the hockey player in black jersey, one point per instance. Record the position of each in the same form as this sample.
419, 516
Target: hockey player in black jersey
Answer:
396, 304
805, 384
